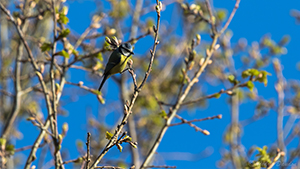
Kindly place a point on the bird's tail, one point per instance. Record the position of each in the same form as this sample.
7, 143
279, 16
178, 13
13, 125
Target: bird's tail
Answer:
104, 79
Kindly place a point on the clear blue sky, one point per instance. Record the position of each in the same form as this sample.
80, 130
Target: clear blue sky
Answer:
253, 19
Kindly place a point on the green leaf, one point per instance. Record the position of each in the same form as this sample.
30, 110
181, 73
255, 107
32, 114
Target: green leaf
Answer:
276, 50
99, 56
250, 72
10, 148
263, 156
127, 138
96, 92
262, 77
108, 135
64, 54
74, 52
221, 14
260, 63
285, 40
254, 72
115, 40
2, 141
133, 144
163, 114
79, 144
231, 78
64, 10
250, 85
63, 18
46, 46
119, 147
217, 95
64, 33
78, 160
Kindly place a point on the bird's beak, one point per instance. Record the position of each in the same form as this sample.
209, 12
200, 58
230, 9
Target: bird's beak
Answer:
131, 53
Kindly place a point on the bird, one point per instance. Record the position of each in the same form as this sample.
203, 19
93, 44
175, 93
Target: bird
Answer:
117, 61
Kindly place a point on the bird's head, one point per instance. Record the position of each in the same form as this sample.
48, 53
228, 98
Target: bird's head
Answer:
126, 49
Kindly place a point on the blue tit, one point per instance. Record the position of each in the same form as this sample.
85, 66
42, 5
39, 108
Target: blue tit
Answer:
117, 61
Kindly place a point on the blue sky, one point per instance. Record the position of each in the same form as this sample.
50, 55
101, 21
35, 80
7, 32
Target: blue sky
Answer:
253, 19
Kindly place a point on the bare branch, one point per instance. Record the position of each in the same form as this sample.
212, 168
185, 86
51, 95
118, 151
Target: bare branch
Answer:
205, 132
88, 159
280, 86
279, 154
159, 166
183, 121
29, 147
236, 6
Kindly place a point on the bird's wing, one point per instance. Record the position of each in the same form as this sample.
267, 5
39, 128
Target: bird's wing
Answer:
112, 62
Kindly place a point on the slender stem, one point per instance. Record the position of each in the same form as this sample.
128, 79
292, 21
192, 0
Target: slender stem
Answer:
234, 130
280, 86
52, 81
17, 97
135, 157
236, 6
212, 18
17, 85
53, 115
88, 159
279, 154
183, 121
28, 147
36, 144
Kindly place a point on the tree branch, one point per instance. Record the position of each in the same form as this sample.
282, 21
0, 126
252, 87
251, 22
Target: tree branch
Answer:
280, 86
236, 6
128, 107
173, 110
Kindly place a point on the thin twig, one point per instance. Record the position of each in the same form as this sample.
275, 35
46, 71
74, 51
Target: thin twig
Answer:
234, 128
74, 160
53, 114
17, 97
160, 166
135, 156
212, 18
83, 87
222, 91
7, 93
236, 6
280, 86
139, 37
109, 167
85, 56
205, 132
183, 121
279, 154
88, 160
29, 147
36, 144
